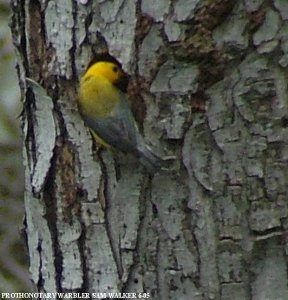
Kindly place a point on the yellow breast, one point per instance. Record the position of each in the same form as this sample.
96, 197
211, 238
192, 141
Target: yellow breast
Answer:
98, 97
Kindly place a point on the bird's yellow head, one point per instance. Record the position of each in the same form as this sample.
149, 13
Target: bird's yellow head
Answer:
105, 69
110, 69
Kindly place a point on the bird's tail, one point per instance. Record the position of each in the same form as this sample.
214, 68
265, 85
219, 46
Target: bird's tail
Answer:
149, 159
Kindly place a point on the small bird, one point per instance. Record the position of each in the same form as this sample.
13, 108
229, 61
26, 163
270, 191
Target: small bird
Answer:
105, 110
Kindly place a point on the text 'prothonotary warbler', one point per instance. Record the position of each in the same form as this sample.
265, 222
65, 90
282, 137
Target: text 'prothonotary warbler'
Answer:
106, 111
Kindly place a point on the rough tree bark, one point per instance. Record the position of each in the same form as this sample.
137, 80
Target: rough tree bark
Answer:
210, 87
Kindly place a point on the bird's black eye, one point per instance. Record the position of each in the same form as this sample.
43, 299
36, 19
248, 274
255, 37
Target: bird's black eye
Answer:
115, 69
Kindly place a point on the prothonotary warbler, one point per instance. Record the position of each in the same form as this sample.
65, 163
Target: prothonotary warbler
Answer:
105, 109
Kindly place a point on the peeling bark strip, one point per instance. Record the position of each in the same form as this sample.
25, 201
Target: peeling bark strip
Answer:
210, 86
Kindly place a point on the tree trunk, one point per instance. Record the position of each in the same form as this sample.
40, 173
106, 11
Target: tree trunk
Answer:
209, 87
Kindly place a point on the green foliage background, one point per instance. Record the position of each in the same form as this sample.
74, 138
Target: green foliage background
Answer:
14, 276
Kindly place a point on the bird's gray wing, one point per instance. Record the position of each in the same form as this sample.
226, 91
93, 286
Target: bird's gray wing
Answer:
119, 129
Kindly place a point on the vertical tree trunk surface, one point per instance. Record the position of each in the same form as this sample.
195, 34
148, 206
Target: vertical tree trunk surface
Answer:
209, 86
